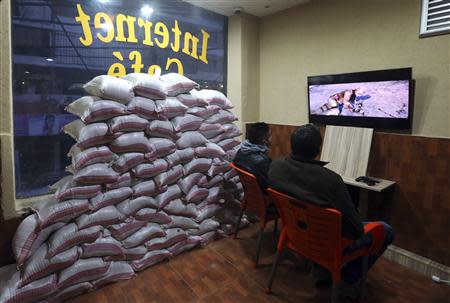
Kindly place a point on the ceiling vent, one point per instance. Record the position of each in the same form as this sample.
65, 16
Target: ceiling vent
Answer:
435, 17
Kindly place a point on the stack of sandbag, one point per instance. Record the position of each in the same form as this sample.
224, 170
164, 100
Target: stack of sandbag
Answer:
149, 179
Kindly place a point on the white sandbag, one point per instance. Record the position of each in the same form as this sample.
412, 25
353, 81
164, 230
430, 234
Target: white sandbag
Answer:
169, 177
101, 154
189, 181
61, 212
117, 271
38, 266
185, 245
110, 197
177, 84
83, 270
208, 237
70, 190
191, 100
204, 112
177, 207
130, 207
105, 216
99, 173
33, 292
147, 86
228, 144
150, 259
220, 168
213, 195
182, 222
230, 174
231, 153
131, 142
81, 105
71, 292
111, 88
191, 139
160, 147
152, 215
180, 156
186, 123
146, 233
211, 130
196, 194
207, 225
213, 97
73, 129
148, 170
127, 228
128, 123
103, 110
124, 180
207, 182
134, 253
173, 192
161, 128
170, 108
102, 247
95, 134
199, 165
61, 182
128, 161
231, 131
222, 116
211, 150
147, 188
173, 235
143, 107
207, 212
70, 236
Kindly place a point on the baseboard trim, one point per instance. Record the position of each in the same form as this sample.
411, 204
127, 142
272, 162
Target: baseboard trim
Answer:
417, 263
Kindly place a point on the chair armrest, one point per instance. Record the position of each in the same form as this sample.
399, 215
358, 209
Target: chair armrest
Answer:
377, 230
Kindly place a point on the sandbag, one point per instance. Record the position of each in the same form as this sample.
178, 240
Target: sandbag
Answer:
83, 270
208, 237
211, 130
81, 105
220, 168
189, 181
146, 233
148, 170
207, 225
58, 184
169, 177
143, 107
213, 195
150, 259
103, 110
207, 212
130, 207
152, 215
170, 108
177, 207
101, 154
131, 142
182, 246
200, 165
105, 216
204, 112
38, 266
128, 161
182, 222
186, 123
71, 292
160, 147
196, 194
127, 228
147, 188
191, 100
111, 197
95, 134
230, 174
180, 156
70, 236
231, 131
99, 173
73, 129
191, 139
228, 144
110, 88
173, 192
128, 123
71, 190
161, 128
222, 116
147, 86
173, 235
210, 182
231, 154
211, 150
124, 180
213, 97
61, 212
177, 84
134, 253
117, 271
102, 247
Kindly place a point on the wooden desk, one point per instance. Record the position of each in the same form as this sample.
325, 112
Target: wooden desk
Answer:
378, 187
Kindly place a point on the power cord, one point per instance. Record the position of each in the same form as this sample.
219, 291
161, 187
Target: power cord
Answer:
439, 280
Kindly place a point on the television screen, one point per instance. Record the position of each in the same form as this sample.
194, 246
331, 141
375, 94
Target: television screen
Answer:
378, 99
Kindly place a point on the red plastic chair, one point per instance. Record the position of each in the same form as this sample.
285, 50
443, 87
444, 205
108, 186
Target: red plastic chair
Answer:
315, 233
255, 201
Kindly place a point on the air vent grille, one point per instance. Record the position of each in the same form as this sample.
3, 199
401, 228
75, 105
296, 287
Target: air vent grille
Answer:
435, 17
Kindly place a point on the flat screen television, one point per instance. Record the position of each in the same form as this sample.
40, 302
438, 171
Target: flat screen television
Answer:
375, 99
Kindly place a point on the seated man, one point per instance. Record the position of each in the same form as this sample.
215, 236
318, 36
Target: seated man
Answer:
253, 156
305, 178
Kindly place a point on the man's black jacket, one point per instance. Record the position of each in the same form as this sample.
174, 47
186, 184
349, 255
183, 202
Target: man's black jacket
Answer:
255, 162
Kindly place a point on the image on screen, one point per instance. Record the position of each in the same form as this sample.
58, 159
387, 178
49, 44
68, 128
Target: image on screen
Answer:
383, 99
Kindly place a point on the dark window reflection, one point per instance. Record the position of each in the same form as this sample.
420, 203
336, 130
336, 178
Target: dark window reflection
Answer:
50, 65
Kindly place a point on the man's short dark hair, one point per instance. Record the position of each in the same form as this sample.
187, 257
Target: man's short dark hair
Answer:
306, 141
257, 132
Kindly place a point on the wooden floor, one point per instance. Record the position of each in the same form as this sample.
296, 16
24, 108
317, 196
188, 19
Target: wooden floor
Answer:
224, 272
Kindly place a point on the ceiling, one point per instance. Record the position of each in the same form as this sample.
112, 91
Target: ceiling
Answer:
259, 8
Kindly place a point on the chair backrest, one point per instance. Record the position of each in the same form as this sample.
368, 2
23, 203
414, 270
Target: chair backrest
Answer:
312, 231
254, 199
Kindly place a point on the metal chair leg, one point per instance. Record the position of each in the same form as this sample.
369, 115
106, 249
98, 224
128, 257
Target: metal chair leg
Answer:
273, 271
238, 223
258, 248
335, 292
362, 285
